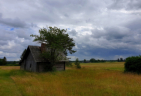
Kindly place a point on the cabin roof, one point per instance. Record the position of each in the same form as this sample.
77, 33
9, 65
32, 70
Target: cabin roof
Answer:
36, 53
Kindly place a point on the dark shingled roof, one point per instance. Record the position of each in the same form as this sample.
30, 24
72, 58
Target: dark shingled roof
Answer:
36, 53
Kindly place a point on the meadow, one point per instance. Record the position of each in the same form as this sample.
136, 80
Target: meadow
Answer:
93, 79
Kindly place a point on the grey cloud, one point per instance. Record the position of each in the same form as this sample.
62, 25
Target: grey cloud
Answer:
116, 32
12, 22
3, 42
72, 32
111, 33
134, 25
16, 22
6, 35
23, 33
125, 4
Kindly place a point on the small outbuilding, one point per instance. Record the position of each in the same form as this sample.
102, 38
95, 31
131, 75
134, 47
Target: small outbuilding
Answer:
32, 60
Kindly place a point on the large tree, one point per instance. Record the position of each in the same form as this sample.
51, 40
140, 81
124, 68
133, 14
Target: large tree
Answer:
57, 41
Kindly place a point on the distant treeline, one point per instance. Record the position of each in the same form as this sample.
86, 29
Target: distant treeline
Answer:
12, 62
92, 60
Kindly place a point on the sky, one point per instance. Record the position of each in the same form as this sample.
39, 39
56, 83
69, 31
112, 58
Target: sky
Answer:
101, 29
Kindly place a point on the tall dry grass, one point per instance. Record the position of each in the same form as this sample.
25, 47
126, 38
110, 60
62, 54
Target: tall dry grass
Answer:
101, 79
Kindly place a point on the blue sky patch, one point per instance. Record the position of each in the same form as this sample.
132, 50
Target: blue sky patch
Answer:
11, 29
68, 28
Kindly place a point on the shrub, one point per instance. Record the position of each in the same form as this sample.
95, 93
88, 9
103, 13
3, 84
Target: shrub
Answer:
133, 64
69, 64
77, 63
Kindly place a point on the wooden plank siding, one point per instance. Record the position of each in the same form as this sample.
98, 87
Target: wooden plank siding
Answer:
59, 66
30, 63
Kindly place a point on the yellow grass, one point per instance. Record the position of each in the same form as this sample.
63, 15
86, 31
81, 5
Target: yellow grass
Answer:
94, 79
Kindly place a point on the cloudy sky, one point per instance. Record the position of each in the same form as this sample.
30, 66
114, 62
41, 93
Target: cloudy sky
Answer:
101, 29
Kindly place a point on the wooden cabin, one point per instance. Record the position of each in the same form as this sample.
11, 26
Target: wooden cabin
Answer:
32, 60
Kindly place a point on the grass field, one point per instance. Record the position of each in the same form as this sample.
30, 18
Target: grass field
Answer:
94, 79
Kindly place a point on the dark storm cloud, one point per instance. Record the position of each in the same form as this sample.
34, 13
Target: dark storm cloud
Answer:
126, 4
103, 53
111, 33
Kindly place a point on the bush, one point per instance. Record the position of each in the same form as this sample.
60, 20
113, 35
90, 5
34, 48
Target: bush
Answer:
77, 63
69, 64
133, 64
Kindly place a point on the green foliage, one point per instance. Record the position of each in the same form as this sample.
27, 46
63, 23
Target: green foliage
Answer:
84, 60
121, 59
77, 63
133, 64
69, 64
118, 59
92, 60
12, 64
57, 42
3, 61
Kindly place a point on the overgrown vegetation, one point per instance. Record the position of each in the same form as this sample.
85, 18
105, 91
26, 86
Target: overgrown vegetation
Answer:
69, 64
77, 63
94, 79
133, 64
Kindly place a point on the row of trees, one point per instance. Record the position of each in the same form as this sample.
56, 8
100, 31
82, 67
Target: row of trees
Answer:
94, 60
3, 61
120, 59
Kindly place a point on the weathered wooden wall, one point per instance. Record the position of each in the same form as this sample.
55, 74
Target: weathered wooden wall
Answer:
30, 63
59, 66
